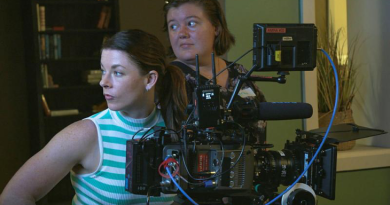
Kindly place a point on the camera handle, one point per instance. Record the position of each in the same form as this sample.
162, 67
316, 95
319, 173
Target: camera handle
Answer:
281, 79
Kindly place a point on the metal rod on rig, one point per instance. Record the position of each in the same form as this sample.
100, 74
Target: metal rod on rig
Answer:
239, 85
197, 70
213, 68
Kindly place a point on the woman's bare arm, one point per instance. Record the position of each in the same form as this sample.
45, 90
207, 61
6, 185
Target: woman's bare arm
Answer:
45, 169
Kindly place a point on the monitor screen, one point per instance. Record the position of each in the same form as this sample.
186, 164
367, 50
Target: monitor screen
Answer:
284, 47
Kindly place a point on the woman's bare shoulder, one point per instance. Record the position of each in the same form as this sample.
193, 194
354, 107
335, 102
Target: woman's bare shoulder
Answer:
76, 140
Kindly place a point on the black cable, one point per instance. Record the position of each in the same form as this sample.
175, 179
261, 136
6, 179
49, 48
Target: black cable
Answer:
136, 133
148, 193
223, 155
172, 132
143, 136
239, 58
187, 121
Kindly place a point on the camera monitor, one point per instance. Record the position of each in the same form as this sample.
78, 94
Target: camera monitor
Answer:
284, 47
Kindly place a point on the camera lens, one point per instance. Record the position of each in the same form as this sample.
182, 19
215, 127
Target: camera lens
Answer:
275, 167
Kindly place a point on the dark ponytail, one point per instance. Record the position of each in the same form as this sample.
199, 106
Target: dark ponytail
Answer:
173, 97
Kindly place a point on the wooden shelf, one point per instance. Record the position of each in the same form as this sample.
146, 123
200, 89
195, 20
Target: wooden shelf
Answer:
73, 88
70, 2
70, 59
71, 118
78, 31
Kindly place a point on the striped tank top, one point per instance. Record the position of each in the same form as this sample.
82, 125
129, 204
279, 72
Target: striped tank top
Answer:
106, 185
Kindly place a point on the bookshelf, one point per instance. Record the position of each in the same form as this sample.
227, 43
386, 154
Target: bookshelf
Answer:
62, 45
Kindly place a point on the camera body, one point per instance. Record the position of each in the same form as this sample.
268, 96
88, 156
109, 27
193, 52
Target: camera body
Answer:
211, 170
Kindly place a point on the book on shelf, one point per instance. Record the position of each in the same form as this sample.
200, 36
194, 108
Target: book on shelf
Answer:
42, 47
55, 47
45, 106
45, 75
93, 82
105, 17
59, 53
47, 79
108, 18
55, 28
93, 79
39, 47
49, 46
56, 113
42, 18
92, 76
102, 18
93, 72
38, 18
51, 82
58, 28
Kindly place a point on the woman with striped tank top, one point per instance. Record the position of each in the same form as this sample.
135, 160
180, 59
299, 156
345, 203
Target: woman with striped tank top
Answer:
141, 91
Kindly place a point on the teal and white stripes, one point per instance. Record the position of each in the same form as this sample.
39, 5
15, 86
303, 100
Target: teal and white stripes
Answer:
107, 184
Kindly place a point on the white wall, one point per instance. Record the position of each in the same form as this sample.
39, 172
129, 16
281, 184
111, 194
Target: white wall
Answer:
371, 21
338, 18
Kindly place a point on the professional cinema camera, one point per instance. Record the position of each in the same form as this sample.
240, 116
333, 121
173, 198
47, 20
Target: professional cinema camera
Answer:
216, 156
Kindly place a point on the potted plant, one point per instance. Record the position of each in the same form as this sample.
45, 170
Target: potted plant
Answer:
346, 71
